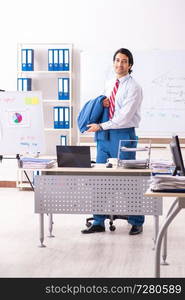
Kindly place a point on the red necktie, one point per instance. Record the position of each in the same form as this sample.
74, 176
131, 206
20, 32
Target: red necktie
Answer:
112, 99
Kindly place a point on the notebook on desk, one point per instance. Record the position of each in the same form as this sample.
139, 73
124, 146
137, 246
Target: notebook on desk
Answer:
73, 156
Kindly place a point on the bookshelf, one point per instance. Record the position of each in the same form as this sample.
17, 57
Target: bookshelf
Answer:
47, 82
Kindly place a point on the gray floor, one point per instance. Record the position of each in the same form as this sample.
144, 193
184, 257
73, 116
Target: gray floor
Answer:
71, 254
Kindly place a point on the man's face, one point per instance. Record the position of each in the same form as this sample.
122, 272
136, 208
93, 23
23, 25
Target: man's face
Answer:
121, 65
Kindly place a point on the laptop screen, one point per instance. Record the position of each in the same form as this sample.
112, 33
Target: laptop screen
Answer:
73, 156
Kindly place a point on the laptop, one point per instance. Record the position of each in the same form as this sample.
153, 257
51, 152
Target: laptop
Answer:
73, 156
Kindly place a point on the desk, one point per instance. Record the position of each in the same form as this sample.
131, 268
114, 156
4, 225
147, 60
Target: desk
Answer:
174, 209
97, 190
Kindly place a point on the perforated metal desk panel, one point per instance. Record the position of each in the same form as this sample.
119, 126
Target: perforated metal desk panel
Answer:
96, 190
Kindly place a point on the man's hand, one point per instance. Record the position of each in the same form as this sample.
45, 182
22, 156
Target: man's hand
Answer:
93, 127
106, 102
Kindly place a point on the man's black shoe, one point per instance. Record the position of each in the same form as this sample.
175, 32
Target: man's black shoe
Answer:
94, 228
135, 230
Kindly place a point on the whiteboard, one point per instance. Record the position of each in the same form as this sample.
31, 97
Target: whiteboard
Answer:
161, 74
21, 123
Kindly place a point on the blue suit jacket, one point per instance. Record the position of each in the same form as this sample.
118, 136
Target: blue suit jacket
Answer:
94, 112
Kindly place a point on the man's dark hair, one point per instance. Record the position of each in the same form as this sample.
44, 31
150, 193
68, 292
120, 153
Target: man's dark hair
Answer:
128, 54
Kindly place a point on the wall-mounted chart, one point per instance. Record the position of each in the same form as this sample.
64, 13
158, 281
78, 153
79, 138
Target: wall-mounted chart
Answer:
17, 118
21, 123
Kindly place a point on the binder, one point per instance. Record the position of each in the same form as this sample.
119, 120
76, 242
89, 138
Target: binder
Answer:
66, 59
19, 84
60, 88
66, 117
30, 60
55, 59
50, 60
63, 140
24, 84
61, 117
24, 59
60, 60
63, 88
56, 116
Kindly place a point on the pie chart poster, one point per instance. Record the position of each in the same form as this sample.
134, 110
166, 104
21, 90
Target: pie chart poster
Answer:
21, 123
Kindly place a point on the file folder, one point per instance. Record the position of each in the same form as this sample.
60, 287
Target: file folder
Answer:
60, 60
50, 60
24, 59
63, 140
60, 88
61, 117
19, 84
63, 88
24, 84
56, 116
30, 60
66, 117
66, 59
55, 59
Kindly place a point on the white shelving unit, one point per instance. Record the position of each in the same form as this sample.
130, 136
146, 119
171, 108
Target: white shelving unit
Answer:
47, 82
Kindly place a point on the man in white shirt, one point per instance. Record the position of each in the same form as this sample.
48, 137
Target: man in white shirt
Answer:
124, 100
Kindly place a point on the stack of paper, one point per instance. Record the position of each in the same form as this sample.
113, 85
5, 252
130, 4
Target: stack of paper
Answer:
161, 166
167, 183
134, 149
135, 163
36, 163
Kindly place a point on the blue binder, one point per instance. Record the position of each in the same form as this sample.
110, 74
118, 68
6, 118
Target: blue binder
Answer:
50, 60
30, 60
66, 117
61, 117
60, 60
56, 116
19, 84
63, 88
24, 84
63, 140
55, 60
66, 59
24, 59
60, 88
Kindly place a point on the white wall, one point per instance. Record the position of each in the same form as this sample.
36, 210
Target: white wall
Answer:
97, 24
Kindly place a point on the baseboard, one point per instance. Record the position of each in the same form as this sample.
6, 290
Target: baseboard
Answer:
8, 184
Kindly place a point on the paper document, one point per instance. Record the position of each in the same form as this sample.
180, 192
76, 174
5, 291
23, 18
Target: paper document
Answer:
36, 163
134, 163
161, 166
134, 149
167, 182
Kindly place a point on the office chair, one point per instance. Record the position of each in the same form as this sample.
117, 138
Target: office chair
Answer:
111, 218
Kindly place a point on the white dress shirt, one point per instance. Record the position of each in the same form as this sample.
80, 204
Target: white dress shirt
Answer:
127, 103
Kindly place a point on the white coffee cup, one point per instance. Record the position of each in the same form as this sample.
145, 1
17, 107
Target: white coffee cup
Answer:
113, 161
